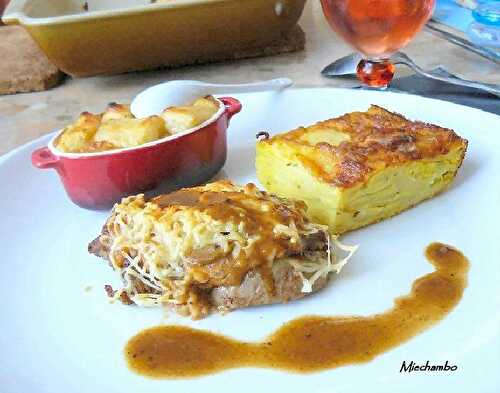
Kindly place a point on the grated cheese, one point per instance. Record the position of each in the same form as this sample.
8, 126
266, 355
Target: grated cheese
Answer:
150, 246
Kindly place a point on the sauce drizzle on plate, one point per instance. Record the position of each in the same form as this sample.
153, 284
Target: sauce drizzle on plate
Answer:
310, 343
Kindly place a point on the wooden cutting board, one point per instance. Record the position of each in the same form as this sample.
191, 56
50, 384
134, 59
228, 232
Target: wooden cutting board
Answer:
24, 67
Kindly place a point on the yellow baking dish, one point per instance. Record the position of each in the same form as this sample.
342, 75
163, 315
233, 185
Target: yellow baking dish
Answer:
86, 38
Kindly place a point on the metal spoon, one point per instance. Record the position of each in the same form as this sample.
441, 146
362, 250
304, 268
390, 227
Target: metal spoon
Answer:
180, 92
347, 66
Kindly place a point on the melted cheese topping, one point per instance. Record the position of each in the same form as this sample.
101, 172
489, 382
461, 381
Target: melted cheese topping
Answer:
167, 248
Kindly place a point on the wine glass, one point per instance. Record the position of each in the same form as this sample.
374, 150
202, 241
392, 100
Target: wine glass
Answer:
377, 29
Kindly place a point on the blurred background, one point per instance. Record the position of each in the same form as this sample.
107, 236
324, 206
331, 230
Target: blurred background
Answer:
90, 53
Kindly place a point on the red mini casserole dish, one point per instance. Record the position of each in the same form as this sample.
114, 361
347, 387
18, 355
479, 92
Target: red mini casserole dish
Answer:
98, 180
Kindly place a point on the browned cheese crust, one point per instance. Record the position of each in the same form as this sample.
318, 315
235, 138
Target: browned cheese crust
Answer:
377, 138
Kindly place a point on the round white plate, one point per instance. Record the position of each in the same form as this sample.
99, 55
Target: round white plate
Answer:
60, 334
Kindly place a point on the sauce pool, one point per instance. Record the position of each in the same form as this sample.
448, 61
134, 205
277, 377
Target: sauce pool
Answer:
310, 343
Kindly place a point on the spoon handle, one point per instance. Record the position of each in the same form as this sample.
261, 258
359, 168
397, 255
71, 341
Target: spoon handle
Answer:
272, 84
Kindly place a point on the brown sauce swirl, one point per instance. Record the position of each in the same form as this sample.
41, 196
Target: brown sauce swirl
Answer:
310, 343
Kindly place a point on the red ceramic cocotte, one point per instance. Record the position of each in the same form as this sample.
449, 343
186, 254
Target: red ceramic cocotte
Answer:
98, 180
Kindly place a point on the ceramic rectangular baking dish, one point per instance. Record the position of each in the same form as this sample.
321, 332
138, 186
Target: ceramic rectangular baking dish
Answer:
93, 37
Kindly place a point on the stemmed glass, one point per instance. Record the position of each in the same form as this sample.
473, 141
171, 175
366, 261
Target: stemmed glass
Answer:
377, 29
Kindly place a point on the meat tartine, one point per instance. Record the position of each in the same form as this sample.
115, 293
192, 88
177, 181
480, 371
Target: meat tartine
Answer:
216, 247
360, 168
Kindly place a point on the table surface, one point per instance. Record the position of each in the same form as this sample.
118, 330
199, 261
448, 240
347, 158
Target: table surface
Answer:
24, 117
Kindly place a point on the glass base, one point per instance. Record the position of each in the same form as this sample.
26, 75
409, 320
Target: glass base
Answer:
375, 73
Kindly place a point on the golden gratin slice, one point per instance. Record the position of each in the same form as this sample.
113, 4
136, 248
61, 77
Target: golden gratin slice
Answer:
216, 247
360, 168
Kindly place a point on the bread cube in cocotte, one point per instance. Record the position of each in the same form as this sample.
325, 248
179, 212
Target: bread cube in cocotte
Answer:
131, 132
76, 137
117, 127
116, 111
182, 118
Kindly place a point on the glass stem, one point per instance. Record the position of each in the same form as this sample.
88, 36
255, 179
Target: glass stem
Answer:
377, 73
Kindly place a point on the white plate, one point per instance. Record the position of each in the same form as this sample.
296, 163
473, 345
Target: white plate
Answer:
58, 337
